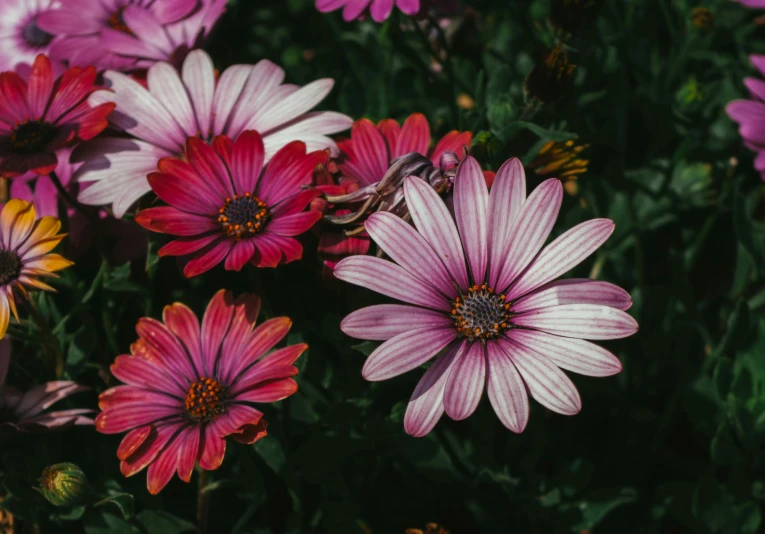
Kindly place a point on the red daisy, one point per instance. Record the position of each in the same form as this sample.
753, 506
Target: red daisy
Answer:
225, 206
41, 115
188, 388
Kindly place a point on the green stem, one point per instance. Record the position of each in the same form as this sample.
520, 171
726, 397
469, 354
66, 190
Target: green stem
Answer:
203, 501
58, 356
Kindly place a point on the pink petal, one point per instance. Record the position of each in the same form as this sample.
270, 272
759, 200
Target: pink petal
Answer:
226, 95
264, 79
188, 452
415, 134
294, 224
436, 225
166, 86
471, 203
574, 291
369, 148
270, 392
215, 325
132, 441
563, 254
247, 160
235, 344
149, 449
574, 355
586, 321
389, 279
288, 171
508, 192
164, 465
209, 258
240, 254
199, 77
426, 404
384, 321
121, 418
465, 384
142, 373
171, 352
286, 109
405, 352
213, 449
209, 166
183, 323
506, 390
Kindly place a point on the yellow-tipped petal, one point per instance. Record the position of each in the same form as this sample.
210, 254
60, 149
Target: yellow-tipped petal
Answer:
34, 282
10, 211
12, 304
45, 228
5, 316
49, 262
22, 227
43, 246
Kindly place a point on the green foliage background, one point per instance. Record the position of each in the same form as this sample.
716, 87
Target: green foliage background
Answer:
673, 444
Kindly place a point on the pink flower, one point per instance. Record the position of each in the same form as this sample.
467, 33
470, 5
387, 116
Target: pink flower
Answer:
128, 34
189, 387
197, 103
21, 39
757, 4
379, 9
39, 117
26, 411
225, 207
481, 289
750, 114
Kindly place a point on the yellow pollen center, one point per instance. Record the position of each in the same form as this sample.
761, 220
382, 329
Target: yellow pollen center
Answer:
243, 216
205, 400
481, 314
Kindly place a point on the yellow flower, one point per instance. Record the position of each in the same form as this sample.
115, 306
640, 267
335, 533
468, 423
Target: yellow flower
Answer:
25, 243
561, 160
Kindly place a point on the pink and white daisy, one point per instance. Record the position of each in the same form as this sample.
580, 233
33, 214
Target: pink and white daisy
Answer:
196, 103
379, 9
190, 387
39, 117
128, 34
480, 288
26, 411
750, 114
226, 207
21, 39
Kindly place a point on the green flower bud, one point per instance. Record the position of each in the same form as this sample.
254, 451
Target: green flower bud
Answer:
64, 484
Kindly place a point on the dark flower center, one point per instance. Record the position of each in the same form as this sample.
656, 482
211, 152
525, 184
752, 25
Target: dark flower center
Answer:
10, 266
243, 216
30, 137
34, 36
205, 400
481, 314
117, 21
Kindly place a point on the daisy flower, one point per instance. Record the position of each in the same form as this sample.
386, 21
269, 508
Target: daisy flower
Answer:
750, 114
25, 243
196, 103
480, 288
379, 9
21, 39
188, 388
225, 206
41, 116
26, 411
128, 34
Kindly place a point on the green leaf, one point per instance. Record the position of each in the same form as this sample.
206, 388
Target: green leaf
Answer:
159, 522
123, 501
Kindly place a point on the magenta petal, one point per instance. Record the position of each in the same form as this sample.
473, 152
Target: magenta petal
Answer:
436, 225
247, 159
563, 254
271, 391
384, 321
465, 384
183, 323
370, 149
576, 355
213, 449
506, 390
240, 254
163, 467
585, 321
260, 341
508, 192
122, 418
215, 253
549, 386
295, 224
415, 134
409, 249
530, 230
471, 204
171, 352
188, 452
215, 325
233, 350
406, 352
143, 373
574, 291
389, 279
198, 75
426, 404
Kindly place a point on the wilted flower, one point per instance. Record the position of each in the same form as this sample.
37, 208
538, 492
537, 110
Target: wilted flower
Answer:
550, 77
704, 19
225, 206
189, 388
45, 114
570, 16
197, 103
379, 9
750, 115
561, 160
26, 242
64, 484
26, 411
482, 290
128, 34
21, 39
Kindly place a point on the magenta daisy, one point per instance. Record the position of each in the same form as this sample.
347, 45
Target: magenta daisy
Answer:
750, 114
21, 39
128, 34
41, 116
225, 206
379, 9
197, 103
480, 287
190, 387
27, 411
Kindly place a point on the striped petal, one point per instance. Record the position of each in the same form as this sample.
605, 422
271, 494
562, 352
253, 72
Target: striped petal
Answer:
505, 388
465, 384
384, 321
471, 205
585, 321
574, 291
405, 352
508, 192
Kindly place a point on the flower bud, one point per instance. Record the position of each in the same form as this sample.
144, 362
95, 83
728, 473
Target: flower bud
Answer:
64, 484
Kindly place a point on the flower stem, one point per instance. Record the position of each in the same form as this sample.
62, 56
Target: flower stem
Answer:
72, 201
203, 501
58, 356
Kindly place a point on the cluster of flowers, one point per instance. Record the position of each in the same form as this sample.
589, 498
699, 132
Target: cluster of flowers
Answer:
129, 105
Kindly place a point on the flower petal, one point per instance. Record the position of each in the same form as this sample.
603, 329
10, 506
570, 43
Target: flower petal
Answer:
465, 384
574, 291
506, 390
384, 321
508, 192
405, 352
585, 321
471, 205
